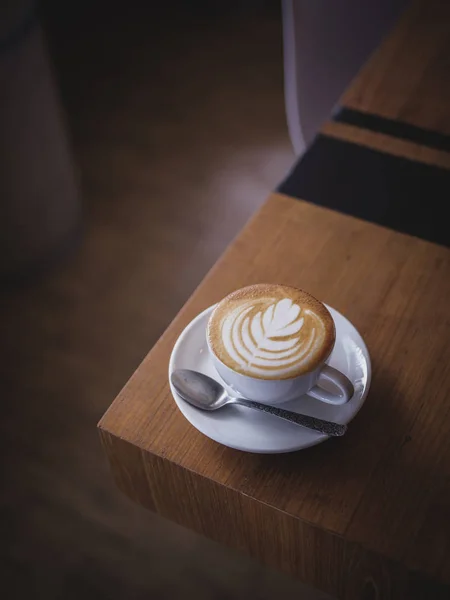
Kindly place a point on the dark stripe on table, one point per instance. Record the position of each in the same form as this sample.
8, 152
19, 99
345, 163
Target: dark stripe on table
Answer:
394, 128
396, 192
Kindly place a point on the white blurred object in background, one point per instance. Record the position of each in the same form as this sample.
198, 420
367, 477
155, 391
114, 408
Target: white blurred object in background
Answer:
325, 43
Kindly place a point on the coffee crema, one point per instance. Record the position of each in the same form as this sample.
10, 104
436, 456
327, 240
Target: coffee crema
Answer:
271, 331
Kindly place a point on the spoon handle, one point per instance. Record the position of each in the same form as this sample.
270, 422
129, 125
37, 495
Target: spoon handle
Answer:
327, 427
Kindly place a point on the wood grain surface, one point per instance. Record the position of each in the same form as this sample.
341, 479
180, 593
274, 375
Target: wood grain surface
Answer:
407, 77
369, 513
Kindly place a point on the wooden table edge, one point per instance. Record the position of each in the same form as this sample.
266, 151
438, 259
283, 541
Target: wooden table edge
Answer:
355, 570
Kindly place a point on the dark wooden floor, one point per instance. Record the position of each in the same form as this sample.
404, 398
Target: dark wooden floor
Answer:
179, 133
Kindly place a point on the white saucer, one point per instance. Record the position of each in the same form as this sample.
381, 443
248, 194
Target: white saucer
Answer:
252, 431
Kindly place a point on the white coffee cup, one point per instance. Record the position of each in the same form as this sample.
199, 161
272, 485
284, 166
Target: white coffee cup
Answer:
277, 391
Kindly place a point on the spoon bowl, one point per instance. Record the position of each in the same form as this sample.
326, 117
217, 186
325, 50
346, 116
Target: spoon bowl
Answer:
199, 390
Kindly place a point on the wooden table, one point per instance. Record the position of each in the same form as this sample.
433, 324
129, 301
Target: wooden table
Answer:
368, 515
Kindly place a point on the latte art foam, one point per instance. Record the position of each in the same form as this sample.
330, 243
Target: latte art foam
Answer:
268, 339
271, 331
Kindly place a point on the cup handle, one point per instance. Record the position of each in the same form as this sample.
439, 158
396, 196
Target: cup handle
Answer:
339, 380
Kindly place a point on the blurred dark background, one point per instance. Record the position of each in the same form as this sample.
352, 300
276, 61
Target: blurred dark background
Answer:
175, 115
